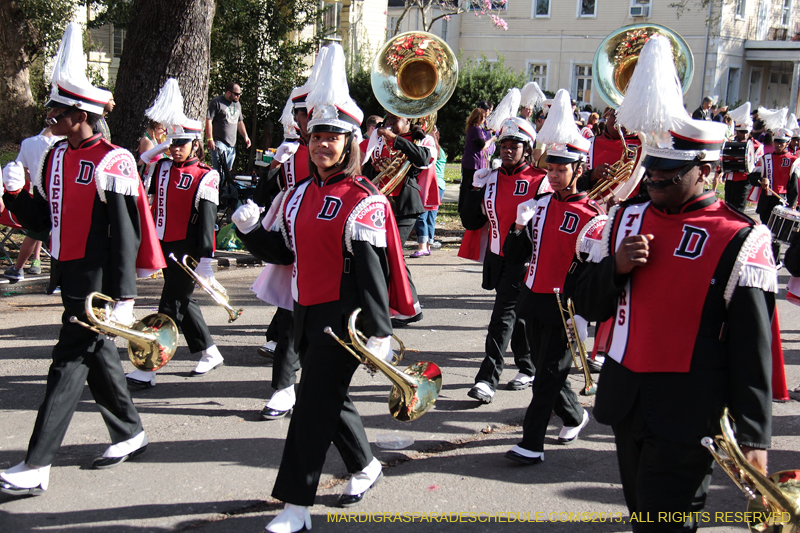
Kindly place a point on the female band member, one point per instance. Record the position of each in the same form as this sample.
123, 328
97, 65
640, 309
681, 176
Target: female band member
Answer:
494, 198
185, 209
339, 233
548, 235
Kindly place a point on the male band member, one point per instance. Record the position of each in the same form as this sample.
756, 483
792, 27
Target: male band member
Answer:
605, 150
777, 175
493, 201
702, 266
548, 235
737, 187
794, 143
87, 192
396, 138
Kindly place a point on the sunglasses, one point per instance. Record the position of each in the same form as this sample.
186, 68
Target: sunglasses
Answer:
236, 94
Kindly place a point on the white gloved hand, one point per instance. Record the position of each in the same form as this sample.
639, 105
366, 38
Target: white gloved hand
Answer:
480, 177
204, 268
154, 152
285, 151
123, 312
246, 216
525, 212
581, 325
14, 176
382, 347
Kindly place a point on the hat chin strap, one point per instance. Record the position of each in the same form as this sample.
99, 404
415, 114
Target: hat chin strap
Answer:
347, 143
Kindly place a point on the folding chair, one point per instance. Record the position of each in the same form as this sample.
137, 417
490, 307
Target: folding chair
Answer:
8, 228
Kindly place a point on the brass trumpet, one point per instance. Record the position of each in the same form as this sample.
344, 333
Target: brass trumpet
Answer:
212, 287
776, 496
415, 389
578, 357
152, 341
619, 173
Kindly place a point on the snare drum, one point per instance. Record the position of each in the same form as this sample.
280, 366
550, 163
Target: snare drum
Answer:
783, 222
738, 157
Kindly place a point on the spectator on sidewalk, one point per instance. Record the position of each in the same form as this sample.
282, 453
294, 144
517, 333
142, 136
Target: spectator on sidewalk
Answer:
223, 120
425, 226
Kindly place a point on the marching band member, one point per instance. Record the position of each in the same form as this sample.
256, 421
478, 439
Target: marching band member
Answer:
292, 155
87, 192
605, 150
398, 138
339, 234
550, 233
493, 200
737, 187
777, 175
721, 305
186, 195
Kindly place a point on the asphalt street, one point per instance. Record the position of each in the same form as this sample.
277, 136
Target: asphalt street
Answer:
212, 460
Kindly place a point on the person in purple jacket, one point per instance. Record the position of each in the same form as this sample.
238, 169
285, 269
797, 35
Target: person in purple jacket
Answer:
475, 155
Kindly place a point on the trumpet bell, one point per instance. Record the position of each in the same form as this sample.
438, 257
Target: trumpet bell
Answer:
414, 74
428, 377
158, 353
762, 515
618, 54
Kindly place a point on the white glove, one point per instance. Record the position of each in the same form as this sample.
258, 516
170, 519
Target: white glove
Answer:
285, 151
480, 177
123, 312
204, 269
525, 212
14, 176
581, 325
154, 152
246, 216
382, 347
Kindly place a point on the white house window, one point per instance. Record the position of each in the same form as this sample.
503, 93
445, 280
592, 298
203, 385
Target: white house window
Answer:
786, 15
331, 18
390, 29
477, 5
541, 9
538, 72
587, 8
582, 83
741, 7
119, 41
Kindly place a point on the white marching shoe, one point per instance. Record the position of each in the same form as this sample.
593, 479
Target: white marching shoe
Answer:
211, 359
293, 518
140, 379
569, 434
120, 452
360, 483
280, 404
23, 480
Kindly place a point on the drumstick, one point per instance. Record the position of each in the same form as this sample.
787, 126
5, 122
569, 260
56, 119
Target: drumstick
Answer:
769, 190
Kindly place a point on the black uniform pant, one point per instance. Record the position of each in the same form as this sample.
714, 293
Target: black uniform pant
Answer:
285, 361
323, 414
404, 226
505, 326
81, 356
660, 475
764, 209
178, 304
551, 388
736, 193
465, 187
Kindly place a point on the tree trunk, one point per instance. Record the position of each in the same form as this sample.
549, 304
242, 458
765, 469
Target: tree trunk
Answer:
17, 112
164, 40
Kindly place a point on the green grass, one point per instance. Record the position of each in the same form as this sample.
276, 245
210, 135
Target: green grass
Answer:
448, 216
6, 156
452, 173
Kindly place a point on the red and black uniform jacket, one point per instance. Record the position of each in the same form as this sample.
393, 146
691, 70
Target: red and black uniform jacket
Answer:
341, 238
185, 207
691, 327
495, 206
553, 244
782, 172
88, 197
406, 199
604, 149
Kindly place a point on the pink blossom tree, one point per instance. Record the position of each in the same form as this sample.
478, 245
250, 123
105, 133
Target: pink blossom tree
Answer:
433, 10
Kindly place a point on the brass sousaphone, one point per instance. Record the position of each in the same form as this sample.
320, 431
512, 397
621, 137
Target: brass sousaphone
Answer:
612, 68
414, 74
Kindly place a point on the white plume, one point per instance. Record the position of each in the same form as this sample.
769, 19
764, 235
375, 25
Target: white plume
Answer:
653, 101
773, 118
741, 115
531, 95
331, 89
507, 108
791, 122
287, 118
70, 63
315, 70
559, 128
168, 107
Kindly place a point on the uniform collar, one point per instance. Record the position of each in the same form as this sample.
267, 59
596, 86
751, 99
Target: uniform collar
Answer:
91, 141
577, 197
522, 165
333, 178
188, 162
701, 201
